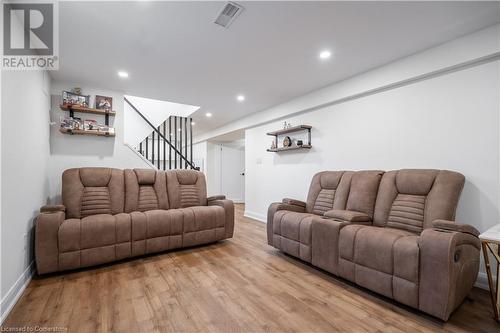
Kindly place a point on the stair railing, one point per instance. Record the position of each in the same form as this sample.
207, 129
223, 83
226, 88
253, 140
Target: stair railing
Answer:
183, 157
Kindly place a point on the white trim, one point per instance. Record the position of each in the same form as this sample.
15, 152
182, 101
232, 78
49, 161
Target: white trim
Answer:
15, 292
255, 216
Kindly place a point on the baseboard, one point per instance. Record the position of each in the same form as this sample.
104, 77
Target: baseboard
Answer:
15, 292
255, 216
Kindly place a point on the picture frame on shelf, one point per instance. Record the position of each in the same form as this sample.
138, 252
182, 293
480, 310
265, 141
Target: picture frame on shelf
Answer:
103, 103
69, 99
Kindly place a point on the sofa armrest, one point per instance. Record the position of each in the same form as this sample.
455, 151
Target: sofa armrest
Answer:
449, 264
273, 208
216, 197
347, 216
46, 240
453, 226
52, 208
228, 206
294, 202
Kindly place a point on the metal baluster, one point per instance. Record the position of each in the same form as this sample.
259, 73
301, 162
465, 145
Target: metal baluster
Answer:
191, 138
164, 146
170, 147
175, 139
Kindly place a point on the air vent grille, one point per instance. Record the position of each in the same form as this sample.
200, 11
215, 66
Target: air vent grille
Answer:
228, 14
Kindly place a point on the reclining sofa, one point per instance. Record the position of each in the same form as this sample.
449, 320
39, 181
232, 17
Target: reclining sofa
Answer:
390, 232
110, 214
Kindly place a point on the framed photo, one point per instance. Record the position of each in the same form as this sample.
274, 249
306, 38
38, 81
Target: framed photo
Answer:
103, 103
70, 98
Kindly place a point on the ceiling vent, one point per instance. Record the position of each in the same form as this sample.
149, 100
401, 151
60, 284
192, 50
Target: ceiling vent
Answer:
228, 14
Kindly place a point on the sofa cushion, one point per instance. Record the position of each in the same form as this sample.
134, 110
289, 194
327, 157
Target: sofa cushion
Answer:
163, 223
373, 247
292, 233
328, 190
98, 230
413, 199
145, 190
385, 260
91, 191
156, 230
186, 188
363, 191
203, 224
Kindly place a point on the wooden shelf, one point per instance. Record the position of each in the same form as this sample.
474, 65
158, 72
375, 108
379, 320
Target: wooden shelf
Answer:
82, 132
76, 108
290, 130
275, 150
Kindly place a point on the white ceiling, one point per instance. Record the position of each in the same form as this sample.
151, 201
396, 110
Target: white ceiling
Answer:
173, 51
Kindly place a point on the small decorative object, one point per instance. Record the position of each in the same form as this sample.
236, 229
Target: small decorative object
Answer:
90, 124
287, 142
106, 129
289, 125
77, 91
66, 122
77, 123
284, 125
273, 145
299, 143
103, 103
70, 98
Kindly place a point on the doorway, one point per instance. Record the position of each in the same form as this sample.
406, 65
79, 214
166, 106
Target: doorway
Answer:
226, 166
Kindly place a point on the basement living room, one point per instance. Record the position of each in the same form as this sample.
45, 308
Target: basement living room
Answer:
250, 166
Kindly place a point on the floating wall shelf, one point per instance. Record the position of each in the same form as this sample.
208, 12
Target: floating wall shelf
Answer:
76, 108
294, 129
87, 132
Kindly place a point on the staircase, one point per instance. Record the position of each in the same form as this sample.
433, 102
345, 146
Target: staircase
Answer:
170, 145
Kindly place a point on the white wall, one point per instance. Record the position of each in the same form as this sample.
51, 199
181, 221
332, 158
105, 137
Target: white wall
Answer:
200, 151
213, 172
24, 168
72, 151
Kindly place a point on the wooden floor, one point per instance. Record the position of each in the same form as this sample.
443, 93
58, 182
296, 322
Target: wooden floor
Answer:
237, 285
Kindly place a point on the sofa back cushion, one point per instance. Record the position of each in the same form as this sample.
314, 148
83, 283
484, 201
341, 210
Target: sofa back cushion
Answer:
413, 199
363, 190
145, 189
91, 191
186, 188
328, 190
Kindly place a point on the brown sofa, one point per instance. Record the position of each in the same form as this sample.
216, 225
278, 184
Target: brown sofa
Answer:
391, 232
110, 214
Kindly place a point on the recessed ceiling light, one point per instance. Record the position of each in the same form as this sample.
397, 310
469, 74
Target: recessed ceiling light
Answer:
208, 114
240, 98
193, 123
122, 74
179, 129
325, 54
